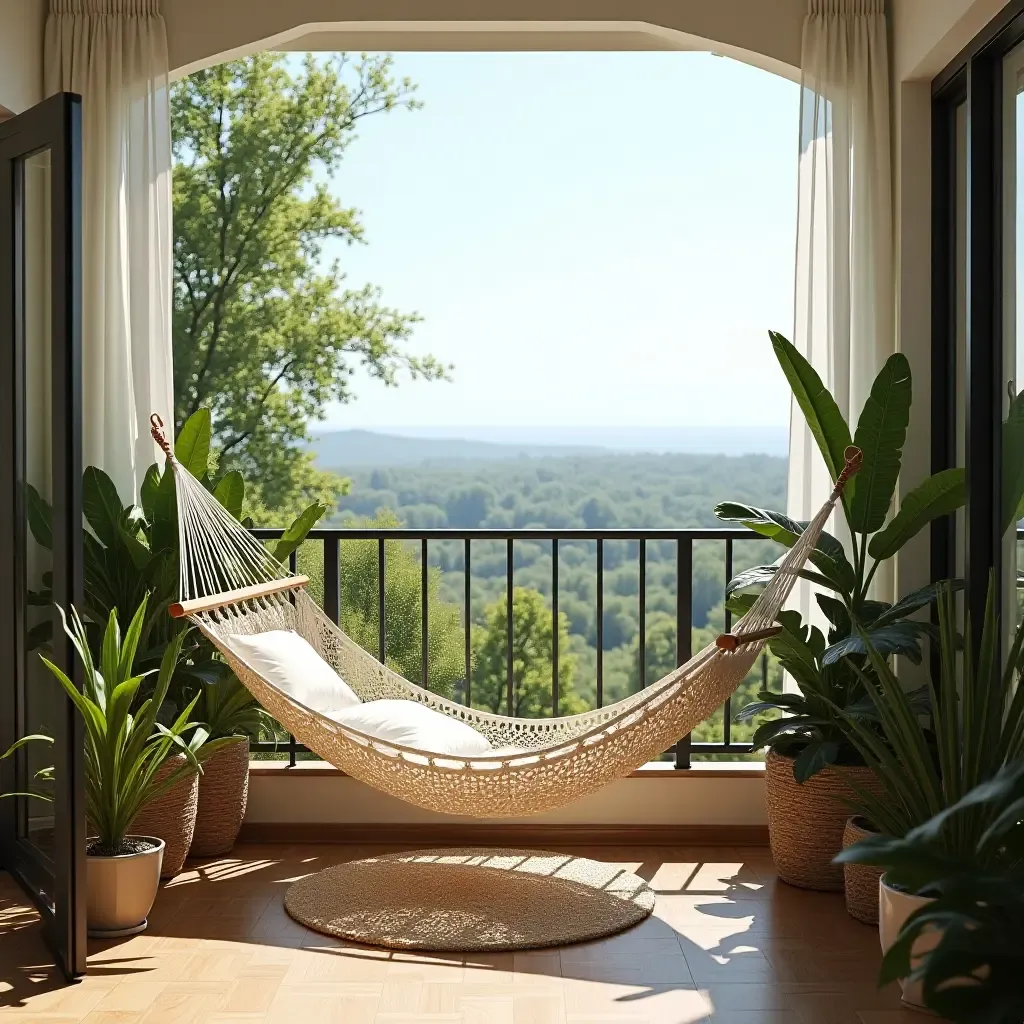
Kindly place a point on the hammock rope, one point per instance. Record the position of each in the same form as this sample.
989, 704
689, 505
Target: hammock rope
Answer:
231, 585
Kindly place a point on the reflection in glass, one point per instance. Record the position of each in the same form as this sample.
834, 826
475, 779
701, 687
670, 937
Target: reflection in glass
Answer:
1013, 286
40, 698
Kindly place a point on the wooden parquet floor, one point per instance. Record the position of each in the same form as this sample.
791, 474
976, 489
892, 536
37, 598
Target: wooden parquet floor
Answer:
728, 943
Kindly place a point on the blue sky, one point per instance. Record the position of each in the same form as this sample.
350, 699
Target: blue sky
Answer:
591, 239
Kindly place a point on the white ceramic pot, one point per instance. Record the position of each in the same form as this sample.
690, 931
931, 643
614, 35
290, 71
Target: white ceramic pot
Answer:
120, 890
894, 907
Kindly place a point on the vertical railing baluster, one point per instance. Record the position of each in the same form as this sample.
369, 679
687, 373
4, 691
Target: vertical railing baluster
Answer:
424, 616
600, 622
642, 652
293, 567
684, 627
332, 579
381, 610
468, 602
508, 624
554, 627
727, 708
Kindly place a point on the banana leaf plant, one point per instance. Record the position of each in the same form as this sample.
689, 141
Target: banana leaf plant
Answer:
823, 667
974, 972
131, 552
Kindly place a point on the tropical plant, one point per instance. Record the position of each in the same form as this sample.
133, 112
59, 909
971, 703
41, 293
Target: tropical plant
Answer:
227, 709
973, 728
825, 668
970, 858
132, 556
124, 748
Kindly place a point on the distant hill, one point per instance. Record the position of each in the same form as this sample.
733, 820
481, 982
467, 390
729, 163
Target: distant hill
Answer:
341, 449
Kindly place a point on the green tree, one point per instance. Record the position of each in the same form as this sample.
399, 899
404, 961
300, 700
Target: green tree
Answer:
265, 331
532, 654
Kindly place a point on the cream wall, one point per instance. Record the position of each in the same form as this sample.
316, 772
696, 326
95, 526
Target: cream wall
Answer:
21, 54
704, 796
928, 34
199, 30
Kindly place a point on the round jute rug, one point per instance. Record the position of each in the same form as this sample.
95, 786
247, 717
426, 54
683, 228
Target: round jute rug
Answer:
468, 900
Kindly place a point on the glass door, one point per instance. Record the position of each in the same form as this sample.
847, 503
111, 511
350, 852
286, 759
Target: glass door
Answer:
1013, 295
42, 828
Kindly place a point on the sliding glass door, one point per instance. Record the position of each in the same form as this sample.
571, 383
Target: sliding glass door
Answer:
42, 828
978, 308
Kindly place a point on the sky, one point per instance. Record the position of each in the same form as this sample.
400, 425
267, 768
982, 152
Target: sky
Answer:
590, 239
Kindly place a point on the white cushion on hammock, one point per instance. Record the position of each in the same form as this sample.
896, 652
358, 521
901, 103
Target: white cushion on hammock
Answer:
287, 660
412, 724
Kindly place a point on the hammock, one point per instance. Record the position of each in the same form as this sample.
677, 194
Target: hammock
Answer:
231, 585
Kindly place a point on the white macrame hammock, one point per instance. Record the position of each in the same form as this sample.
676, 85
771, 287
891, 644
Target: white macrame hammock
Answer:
231, 585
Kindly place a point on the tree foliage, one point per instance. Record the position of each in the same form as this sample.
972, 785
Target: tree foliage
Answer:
266, 332
532, 659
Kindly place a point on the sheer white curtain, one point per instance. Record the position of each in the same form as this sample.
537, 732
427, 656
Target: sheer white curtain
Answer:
845, 293
114, 54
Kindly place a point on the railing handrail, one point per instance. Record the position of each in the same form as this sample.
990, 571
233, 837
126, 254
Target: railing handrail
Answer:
518, 533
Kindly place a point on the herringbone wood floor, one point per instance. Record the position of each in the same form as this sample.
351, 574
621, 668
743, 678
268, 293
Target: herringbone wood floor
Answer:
728, 943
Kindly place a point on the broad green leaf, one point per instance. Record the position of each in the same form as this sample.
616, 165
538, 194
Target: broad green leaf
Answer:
40, 517
915, 601
824, 420
881, 434
101, 505
1013, 462
137, 548
230, 492
939, 495
813, 758
149, 489
296, 533
164, 534
192, 447
902, 637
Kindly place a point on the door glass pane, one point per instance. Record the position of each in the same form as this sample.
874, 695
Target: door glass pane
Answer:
1013, 286
40, 698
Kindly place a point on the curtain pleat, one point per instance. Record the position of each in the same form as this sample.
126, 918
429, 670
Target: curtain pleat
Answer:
114, 54
845, 293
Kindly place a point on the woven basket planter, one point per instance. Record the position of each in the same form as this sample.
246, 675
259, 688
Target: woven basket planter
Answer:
223, 791
860, 880
171, 817
806, 821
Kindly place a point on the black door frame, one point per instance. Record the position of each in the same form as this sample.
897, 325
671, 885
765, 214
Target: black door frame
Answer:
972, 80
58, 886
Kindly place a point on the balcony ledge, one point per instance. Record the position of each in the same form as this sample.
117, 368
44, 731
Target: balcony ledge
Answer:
700, 770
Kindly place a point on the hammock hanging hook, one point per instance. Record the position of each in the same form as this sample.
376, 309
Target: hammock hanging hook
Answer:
854, 459
156, 428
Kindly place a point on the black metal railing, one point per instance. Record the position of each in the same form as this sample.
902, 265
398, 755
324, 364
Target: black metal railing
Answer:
331, 539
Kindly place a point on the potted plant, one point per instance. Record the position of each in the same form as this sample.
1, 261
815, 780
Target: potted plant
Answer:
125, 748
132, 551
926, 765
811, 759
231, 715
959, 951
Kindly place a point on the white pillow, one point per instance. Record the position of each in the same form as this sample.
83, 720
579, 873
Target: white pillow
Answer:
285, 659
412, 724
